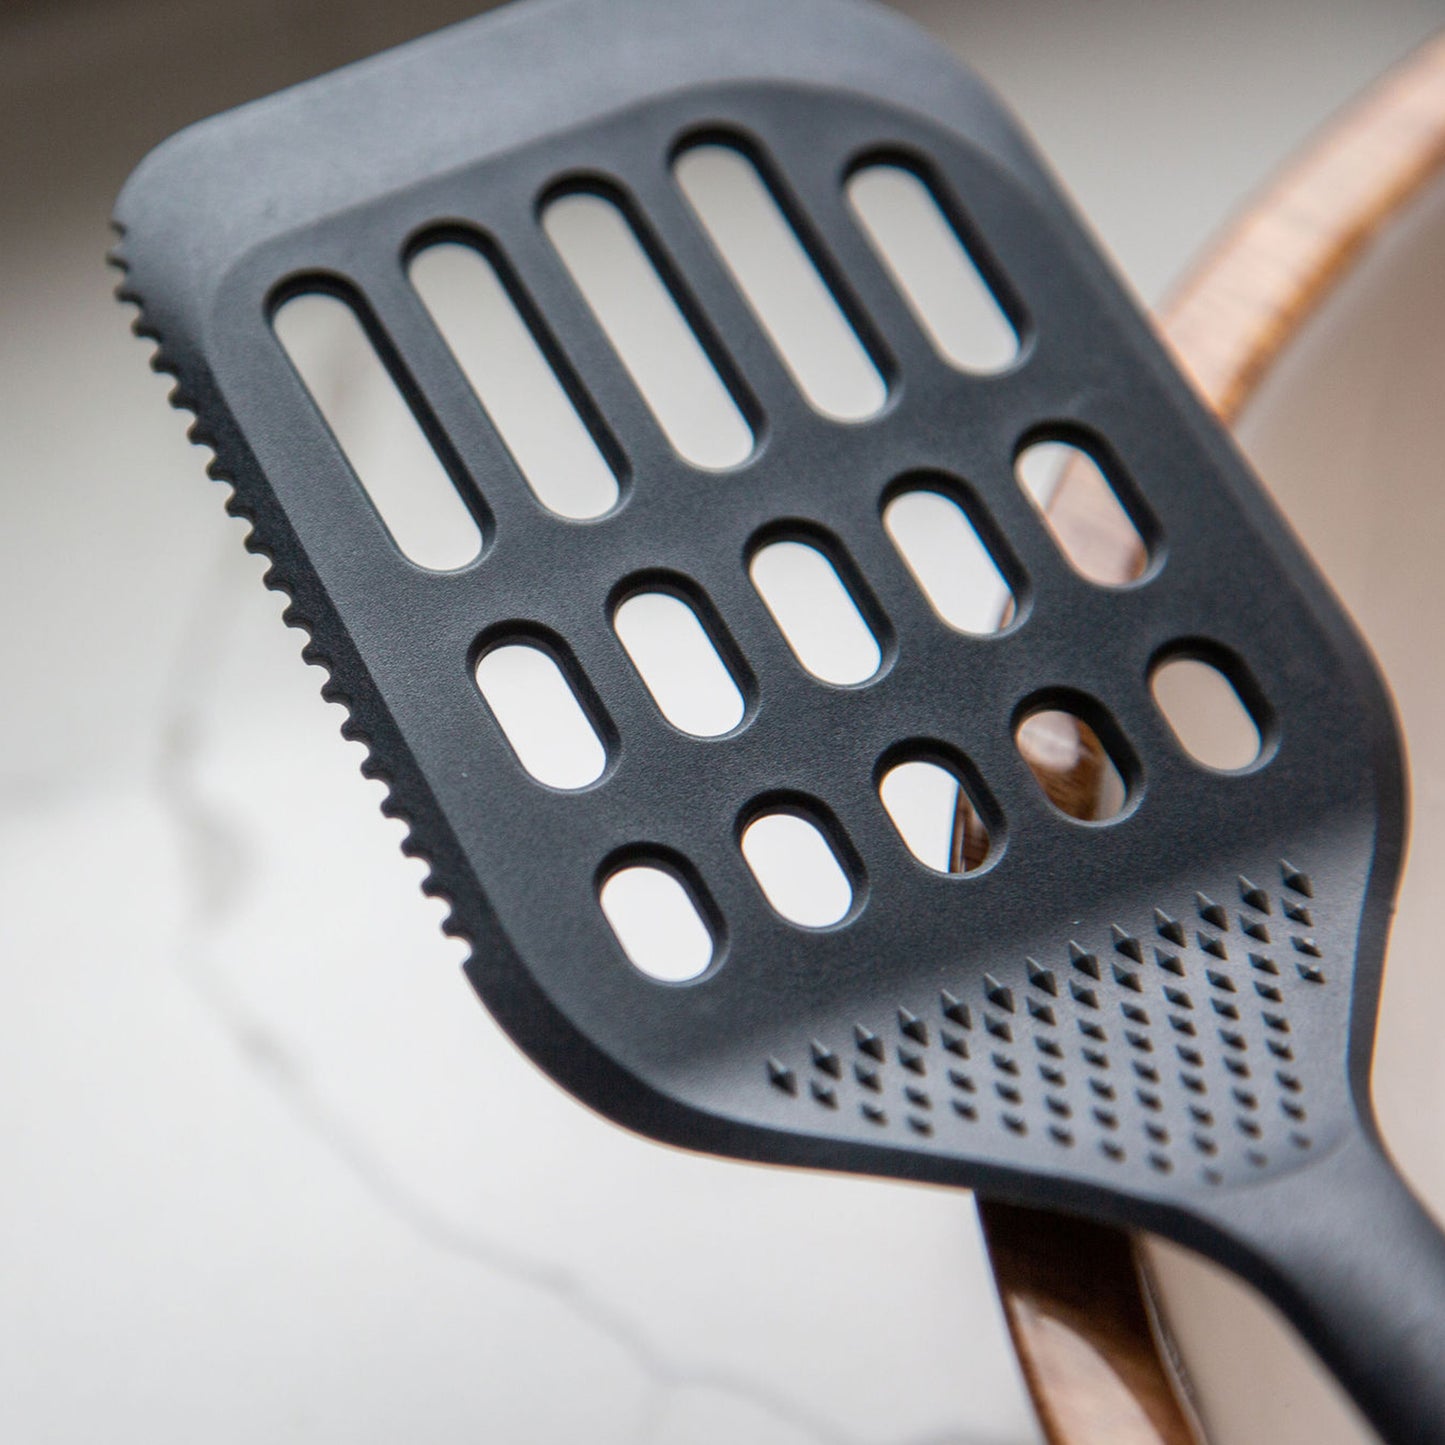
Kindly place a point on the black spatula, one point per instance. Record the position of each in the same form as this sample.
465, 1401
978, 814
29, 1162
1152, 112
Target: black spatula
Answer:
1163, 1019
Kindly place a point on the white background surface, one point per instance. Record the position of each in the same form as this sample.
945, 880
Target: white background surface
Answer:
269, 1172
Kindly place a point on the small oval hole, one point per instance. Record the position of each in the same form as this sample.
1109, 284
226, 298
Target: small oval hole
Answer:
1072, 765
510, 374
1078, 503
797, 869
377, 431
677, 661
949, 561
935, 816
781, 284
815, 612
648, 330
657, 923
932, 268
1206, 713
536, 708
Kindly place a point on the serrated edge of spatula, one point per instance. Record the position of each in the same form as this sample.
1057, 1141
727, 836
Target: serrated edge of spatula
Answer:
308, 610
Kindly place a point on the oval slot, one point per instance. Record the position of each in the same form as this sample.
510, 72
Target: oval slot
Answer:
657, 923
932, 269
1081, 509
677, 661
815, 612
797, 870
377, 430
1071, 765
1206, 713
937, 819
536, 708
780, 282
648, 330
949, 561
511, 377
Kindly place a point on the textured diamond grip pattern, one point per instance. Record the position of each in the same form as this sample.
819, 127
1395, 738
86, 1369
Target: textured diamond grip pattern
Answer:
1155, 1019
1175, 1046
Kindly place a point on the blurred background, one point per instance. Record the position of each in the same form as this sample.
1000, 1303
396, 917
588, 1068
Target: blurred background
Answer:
269, 1171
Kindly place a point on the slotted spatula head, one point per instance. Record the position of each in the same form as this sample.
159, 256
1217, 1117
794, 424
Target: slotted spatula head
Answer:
1166, 1018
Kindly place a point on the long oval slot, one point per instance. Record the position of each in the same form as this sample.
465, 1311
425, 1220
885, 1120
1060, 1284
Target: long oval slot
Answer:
384, 445
1071, 765
797, 870
1206, 713
677, 661
657, 923
537, 710
511, 377
936, 816
949, 561
815, 612
780, 282
932, 269
1080, 507
648, 330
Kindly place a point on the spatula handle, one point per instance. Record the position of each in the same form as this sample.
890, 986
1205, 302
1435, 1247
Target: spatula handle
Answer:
1350, 1255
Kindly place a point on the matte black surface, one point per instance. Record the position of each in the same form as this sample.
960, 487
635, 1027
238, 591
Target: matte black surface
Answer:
1165, 1021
